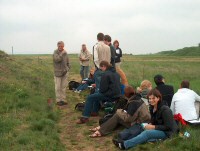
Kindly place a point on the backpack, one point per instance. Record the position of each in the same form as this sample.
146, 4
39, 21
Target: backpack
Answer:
73, 85
80, 106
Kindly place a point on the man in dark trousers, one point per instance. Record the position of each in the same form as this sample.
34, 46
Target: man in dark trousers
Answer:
167, 91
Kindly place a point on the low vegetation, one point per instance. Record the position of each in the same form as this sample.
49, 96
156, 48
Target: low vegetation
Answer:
27, 122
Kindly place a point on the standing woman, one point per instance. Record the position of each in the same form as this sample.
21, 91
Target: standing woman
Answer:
162, 124
84, 58
118, 56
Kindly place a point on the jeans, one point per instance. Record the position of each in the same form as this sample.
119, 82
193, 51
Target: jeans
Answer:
84, 71
92, 104
82, 87
131, 132
143, 137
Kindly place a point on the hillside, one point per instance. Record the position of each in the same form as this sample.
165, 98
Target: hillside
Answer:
187, 51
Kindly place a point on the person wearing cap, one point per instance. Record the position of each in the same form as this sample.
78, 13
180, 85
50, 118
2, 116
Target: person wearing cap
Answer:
186, 102
167, 91
61, 68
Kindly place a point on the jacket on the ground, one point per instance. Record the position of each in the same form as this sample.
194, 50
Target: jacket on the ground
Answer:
163, 119
110, 83
61, 63
136, 111
167, 92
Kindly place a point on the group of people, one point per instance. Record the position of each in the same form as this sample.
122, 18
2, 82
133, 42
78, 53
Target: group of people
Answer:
149, 112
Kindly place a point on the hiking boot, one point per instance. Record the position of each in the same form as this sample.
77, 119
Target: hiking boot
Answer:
82, 120
119, 144
61, 103
94, 114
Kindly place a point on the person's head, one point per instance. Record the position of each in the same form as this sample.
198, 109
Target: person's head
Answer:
60, 45
154, 97
84, 47
116, 43
129, 91
107, 39
158, 79
92, 70
145, 84
185, 84
100, 36
104, 65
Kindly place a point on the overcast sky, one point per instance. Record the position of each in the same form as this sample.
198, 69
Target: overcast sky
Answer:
141, 26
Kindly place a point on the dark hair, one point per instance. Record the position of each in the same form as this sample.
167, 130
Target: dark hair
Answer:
116, 41
105, 63
155, 93
107, 38
158, 79
100, 36
129, 91
185, 84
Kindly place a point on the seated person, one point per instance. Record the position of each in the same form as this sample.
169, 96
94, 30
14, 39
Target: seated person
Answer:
162, 124
167, 91
183, 102
135, 112
108, 91
86, 82
144, 89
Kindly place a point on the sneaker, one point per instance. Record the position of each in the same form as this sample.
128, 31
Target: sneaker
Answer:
82, 120
79, 91
119, 144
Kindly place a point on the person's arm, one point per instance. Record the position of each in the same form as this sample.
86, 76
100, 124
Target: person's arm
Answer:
67, 61
197, 97
96, 56
57, 57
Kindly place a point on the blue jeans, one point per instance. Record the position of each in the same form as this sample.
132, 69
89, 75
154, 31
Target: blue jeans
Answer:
92, 104
84, 71
144, 137
82, 87
131, 132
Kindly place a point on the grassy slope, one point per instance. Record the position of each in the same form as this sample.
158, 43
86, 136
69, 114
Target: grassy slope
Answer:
28, 124
187, 51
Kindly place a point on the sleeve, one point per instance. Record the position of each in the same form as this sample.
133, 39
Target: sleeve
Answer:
88, 56
172, 107
167, 119
95, 55
197, 97
57, 57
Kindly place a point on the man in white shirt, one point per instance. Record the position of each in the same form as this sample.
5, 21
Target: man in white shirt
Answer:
183, 102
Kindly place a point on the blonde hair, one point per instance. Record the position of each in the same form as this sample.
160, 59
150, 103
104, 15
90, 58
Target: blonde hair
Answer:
145, 84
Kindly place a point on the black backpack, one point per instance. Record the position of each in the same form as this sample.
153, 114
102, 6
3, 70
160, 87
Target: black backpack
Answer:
80, 106
73, 85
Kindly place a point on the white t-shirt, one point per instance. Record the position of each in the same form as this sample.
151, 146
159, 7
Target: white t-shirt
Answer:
183, 102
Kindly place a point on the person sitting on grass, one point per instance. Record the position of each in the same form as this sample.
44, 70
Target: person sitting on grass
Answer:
144, 89
109, 90
162, 125
183, 102
135, 112
167, 91
86, 82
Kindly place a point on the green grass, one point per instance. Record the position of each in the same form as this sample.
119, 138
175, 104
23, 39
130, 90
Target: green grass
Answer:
27, 123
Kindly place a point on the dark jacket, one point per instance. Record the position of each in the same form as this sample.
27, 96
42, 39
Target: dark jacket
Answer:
167, 92
136, 111
110, 83
118, 55
112, 50
163, 119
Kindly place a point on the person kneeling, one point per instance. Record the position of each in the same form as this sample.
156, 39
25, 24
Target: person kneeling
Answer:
135, 111
162, 124
108, 91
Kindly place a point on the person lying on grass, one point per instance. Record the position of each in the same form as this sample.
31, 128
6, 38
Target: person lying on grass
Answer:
162, 124
135, 111
109, 91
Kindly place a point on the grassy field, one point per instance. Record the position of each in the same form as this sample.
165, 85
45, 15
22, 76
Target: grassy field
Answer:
28, 123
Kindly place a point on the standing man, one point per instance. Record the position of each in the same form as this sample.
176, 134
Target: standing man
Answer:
61, 68
84, 62
107, 41
101, 52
